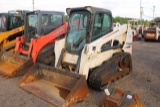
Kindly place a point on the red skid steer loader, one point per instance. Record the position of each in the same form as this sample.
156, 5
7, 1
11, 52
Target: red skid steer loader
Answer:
42, 29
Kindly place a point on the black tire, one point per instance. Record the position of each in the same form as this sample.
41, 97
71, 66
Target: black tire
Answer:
159, 38
145, 38
46, 55
142, 35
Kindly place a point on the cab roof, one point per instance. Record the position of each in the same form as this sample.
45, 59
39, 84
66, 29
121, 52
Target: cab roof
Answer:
90, 9
45, 12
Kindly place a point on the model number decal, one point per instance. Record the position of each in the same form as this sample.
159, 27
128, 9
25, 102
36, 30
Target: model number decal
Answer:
16, 30
128, 45
110, 34
58, 32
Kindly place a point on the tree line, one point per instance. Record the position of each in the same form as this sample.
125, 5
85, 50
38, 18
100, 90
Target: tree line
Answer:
124, 20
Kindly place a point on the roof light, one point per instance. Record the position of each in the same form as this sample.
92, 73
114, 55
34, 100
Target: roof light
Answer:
89, 8
68, 10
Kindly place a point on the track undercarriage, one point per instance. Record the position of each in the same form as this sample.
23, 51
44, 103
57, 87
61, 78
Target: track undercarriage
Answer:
112, 70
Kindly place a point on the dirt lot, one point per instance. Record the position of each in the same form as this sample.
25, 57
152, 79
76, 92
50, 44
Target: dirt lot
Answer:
144, 80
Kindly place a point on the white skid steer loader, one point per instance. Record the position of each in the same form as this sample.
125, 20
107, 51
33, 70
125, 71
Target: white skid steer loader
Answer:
91, 51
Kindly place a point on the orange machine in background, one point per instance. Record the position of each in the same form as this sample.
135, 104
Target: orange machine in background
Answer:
42, 29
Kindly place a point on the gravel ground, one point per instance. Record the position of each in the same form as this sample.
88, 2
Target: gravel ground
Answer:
144, 80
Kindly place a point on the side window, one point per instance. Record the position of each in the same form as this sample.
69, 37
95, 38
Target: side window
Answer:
115, 43
109, 45
50, 22
15, 21
102, 25
57, 20
85, 21
106, 45
106, 22
2, 23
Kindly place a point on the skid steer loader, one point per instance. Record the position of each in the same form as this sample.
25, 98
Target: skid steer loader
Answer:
11, 26
42, 28
137, 29
91, 51
153, 32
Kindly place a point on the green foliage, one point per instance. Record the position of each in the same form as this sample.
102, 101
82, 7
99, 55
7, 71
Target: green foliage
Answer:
66, 17
124, 20
120, 19
157, 19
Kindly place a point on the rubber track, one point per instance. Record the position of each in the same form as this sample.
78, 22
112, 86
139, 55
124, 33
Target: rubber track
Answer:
111, 67
45, 51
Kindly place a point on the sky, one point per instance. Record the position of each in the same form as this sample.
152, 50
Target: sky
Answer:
123, 8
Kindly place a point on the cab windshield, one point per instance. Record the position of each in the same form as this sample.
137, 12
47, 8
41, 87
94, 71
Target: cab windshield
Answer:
77, 31
47, 23
32, 24
15, 21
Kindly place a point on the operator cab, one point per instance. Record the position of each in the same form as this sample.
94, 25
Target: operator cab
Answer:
3, 22
86, 24
38, 23
11, 20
